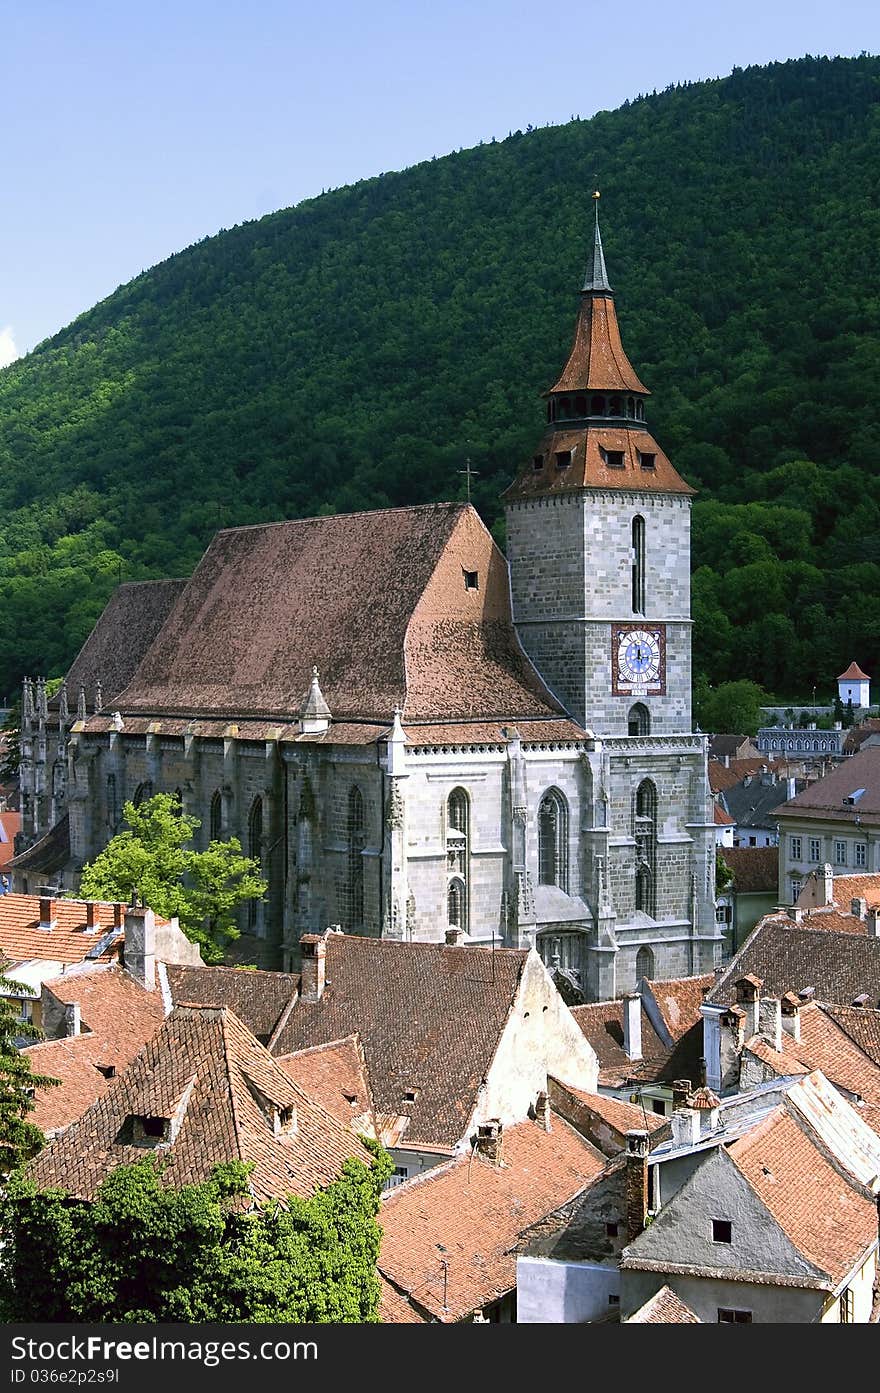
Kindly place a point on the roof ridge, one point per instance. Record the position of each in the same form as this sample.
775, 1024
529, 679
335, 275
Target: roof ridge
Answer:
448, 504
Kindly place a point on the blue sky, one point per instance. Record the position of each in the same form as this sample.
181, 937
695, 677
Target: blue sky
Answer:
132, 128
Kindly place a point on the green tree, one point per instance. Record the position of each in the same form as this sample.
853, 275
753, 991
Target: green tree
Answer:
19, 1138
145, 1251
153, 859
733, 708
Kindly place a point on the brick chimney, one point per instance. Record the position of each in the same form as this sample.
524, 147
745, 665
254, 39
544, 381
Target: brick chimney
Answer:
454, 936
313, 969
825, 885
72, 1018
873, 921
680, 1091
636, 1183
48, 915
139, 951
489, 1140
790, 1009
93, 915
118, 916
632, 1025
770, 1020
542, 1111
858, 908
748, 995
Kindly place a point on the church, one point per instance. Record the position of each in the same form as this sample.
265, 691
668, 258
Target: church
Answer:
415, 736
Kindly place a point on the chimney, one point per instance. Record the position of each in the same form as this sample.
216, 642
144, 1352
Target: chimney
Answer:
118, 916
685, 1126
48, 917
93, 918
680, 1091
770, 1020
636, 1183
791, 788
796, 913
806, 994
542, 1110
454, 936
858, 908
632, 1025
862, 1001
488, 1142
748, 995
139, 951
72, 1018
827, 885
873, 921
790, 1010
314, 967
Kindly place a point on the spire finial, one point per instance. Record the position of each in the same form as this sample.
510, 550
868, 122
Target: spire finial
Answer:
597, 277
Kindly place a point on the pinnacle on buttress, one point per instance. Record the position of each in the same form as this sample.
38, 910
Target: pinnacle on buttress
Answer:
42, 704
597, 276
63, 709
27, 700
314, 713
81, 703
99, 697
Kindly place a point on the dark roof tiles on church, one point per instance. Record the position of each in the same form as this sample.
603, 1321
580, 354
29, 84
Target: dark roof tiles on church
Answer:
494, 733
129, 622
588, 468
378, 601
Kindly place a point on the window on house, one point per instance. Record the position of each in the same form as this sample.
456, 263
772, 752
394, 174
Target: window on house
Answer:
613, 1298
796, 886
611, 1230
580, 406
753, 841
722, 1231
216, 820
615, 406
847, 1307
471, 580
644, 965
613, 459
597, 406
647, 461
645, 830
840, 853
794, 848
553, 840
815, 849
255, 850
457, 859
563, 459
399, 1175
861, 854
112, 803
142, 793
658, 1106
728, 1316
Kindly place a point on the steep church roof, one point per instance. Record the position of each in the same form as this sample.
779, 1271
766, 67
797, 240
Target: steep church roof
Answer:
126, 627
405, 607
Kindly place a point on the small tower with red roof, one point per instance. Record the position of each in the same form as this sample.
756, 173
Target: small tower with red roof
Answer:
855, 686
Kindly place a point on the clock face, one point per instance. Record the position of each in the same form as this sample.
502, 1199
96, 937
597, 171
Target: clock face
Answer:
638, 660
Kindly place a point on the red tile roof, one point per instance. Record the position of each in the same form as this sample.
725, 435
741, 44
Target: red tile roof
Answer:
722, 816
825, 799
449, 1234
588, 467
679, 1000
126, 627
664, 1308
725, 776
10, 826
334, 1075
205, 1069
585, 1110
377, 600
755, 868
69, 941
853, 674
597, 361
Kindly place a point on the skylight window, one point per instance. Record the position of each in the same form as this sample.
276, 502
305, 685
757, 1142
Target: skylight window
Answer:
853, 798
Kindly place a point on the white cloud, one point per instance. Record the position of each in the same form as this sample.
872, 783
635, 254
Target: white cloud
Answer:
8, 350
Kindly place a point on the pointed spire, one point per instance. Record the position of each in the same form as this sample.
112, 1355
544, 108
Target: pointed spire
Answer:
42, 701
27, 700
99, 697
81, 703
315, 714
63, 709
597, 277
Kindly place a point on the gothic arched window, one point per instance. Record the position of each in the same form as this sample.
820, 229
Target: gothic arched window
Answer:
646, 847
456, 903
639, 720
142, 793
255, 849
356, 837
458, 818
216, 821
553, 840
112, 803
644, 964
638, 565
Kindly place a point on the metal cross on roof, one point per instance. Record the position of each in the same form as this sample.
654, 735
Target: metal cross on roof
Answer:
470, 474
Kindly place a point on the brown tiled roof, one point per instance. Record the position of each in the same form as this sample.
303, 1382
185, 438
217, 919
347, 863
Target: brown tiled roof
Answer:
48, 855
10, 825
129, 622
204, 1063
824, 799
429, 1017
469, 1212
602, 1024
857, 736
395, 1308
722, 816
257, 997
680, 999
720, 745
70, 941
376, 600
664, 1308
829, 1219
755, 868
847, 888
573, 1103
824, 1045
789, 957
494, 733
725, 776
588, 469
861, 1024
334, 1075
597, 361
853, 674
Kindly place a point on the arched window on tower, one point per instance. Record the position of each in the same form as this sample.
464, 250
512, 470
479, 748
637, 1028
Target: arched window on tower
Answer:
553, 840
356, 837
638, 565
630, 407
458, 814
580, 406
646, 847
255, 850
639, 720
597, 406
216, 821
644, 964
615, 407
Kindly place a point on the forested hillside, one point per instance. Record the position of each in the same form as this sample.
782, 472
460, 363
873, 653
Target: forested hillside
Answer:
351, 352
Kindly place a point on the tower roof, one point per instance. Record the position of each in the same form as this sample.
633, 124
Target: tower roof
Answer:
854, 674
597, 276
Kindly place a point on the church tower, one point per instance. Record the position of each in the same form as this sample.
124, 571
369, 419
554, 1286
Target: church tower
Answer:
598, 538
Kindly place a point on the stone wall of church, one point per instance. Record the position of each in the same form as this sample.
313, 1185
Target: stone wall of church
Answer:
571, 578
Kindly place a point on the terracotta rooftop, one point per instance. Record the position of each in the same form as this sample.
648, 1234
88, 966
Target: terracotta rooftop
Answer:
10, 825
725, 776
129, 622
857, 735
664, 1057
573, 1103
334, 1075
857, 778
258, 998
861, 1025
468, 1214
853, 674
588, 467
664, 1308
212, 1081
789, 957
597, 361
679, 1000
68, 941
755, 868
379, 601
722, 816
